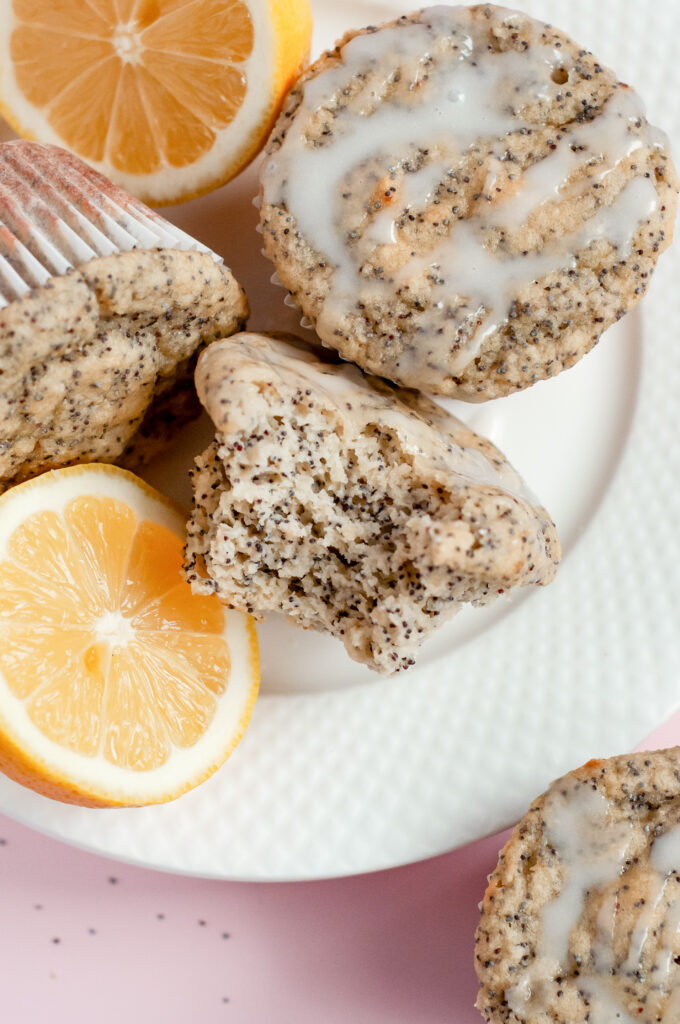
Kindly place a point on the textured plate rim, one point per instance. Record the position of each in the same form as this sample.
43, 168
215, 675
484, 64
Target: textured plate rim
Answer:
616, 536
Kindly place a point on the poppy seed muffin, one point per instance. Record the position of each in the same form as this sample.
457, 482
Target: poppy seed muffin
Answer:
581, 918
352, 507
103, 308
463, 200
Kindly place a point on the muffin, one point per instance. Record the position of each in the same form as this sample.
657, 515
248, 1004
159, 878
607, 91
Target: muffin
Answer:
103, 307
581, 918
464, 199
354, 508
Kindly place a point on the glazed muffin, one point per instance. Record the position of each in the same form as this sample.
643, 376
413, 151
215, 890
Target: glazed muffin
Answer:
463, 200
581, 919
354, 508
103, 308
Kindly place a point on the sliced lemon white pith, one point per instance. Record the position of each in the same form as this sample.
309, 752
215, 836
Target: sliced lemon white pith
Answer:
117, 685
169, 98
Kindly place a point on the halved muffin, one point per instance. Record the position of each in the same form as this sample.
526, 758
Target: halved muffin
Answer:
351, 506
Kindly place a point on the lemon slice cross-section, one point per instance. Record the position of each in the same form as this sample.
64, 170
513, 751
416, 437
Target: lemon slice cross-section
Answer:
118, 686
169, 98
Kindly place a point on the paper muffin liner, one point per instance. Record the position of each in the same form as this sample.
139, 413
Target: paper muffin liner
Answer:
56, 213
275, 280
288, 300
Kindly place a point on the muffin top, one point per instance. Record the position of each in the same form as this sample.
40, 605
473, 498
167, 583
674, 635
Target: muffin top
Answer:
581, 918
445, 193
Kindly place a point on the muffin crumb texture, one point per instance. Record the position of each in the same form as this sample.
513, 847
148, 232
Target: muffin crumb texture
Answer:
91, 356
352, 507
580, 923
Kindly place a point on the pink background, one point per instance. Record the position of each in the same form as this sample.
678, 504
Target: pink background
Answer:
86, 939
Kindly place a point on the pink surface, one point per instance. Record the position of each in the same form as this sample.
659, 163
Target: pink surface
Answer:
85, 939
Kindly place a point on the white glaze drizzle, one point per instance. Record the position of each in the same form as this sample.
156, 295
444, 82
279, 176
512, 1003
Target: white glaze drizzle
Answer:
665, 858
665, 855
479, 272
606, 138
593, 853
605, 1007
480, 95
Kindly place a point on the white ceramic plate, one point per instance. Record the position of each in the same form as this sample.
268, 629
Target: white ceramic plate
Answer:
341, 772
